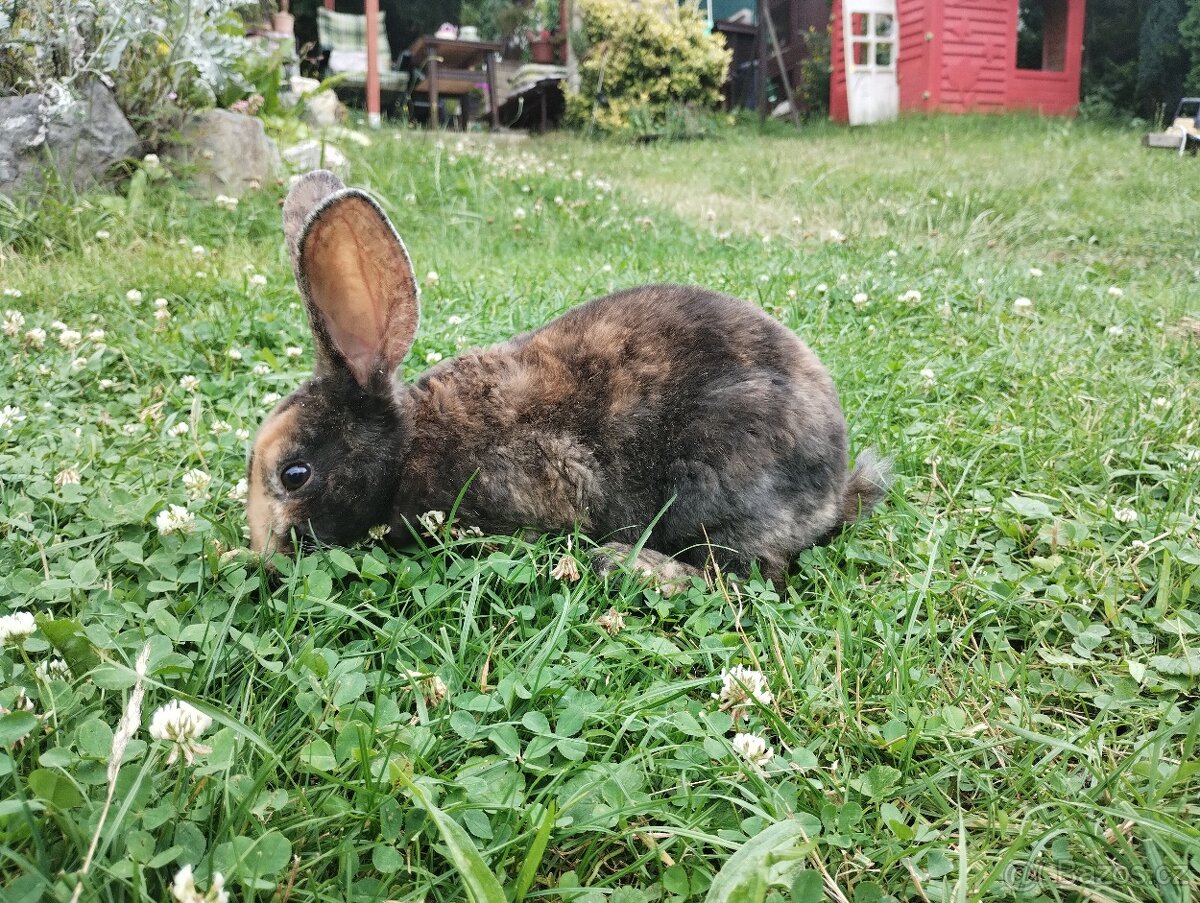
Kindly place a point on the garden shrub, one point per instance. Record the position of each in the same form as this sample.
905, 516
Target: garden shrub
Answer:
161, 57
641, 64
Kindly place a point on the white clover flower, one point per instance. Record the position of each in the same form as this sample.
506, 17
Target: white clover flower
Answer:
160, 303
860, 300
379, 531
1125, 515
189, 383
133, 295
107, 384
432, 521
70, 338
199, 250
566, 568
49, 669
409, 198
175, 519
893, 254
754, 749
912, 296
1036, 273
16, 626
150, 160
261, 369
242, 433
431, 278
1160, 402
741, 688
1116, 331
1138, 545
103, 234
161, 314
1116, 291
182, 428
13, 321
764, 278
131, 429
607, 268
928, 377
519, 214
293, 351
181, 723
36, 337
271, 398
97, 336
219, 427
196, 482
611, 622
1022, 306
234, 354
792, 293
258, 280
12, 293
454, 320
68, 476
822, 288
558, 200
433, 357
225, 202
200, 274
9, 416
239, 490
79, 363
431, 686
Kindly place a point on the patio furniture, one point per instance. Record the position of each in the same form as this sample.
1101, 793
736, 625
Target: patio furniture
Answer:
451, 69
343, 41
535, 98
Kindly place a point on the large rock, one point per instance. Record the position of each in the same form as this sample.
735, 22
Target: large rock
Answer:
80, 143
231, 152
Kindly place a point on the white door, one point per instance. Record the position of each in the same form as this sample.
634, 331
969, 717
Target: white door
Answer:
871, 37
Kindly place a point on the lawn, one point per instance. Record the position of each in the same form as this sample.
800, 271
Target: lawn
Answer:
985, 691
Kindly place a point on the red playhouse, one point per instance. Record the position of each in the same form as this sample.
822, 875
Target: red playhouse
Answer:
954, 55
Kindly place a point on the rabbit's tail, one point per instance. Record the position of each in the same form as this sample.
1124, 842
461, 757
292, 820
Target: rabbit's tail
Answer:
866, 486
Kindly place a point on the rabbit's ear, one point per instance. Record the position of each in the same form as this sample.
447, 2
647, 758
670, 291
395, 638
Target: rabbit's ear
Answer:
356, 279
306, 194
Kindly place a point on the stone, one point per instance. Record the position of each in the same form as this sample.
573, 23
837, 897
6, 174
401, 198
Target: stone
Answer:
231, 152
80, 144
323, 109
309, 155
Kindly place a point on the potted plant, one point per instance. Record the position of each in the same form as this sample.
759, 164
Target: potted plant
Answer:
541, 47
543, 40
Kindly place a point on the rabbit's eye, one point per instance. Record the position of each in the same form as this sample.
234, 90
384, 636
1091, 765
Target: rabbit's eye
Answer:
294, 476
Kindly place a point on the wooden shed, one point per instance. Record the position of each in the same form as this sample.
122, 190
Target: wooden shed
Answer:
890, 56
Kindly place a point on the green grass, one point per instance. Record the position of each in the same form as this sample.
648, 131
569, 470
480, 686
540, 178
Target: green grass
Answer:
986, 691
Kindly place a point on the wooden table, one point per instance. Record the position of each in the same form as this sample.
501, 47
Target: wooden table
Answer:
450, 68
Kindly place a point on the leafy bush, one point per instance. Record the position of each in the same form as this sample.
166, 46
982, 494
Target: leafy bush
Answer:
161, 57
815, 71
642, 63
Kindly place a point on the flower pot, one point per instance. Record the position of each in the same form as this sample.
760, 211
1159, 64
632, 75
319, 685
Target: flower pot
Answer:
541, 51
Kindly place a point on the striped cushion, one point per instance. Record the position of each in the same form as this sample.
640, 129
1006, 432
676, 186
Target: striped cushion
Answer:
344, 35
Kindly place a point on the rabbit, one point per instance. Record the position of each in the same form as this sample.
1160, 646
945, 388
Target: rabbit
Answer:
673, 409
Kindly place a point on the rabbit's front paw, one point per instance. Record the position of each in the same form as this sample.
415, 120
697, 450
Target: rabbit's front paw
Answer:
666, 574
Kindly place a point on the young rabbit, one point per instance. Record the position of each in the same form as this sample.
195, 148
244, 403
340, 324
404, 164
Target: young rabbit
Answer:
661, 402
